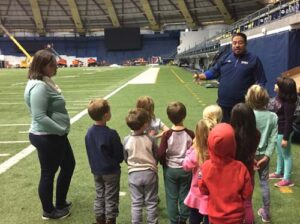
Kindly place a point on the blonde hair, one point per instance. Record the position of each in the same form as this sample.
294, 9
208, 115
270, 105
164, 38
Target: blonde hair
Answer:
257, 97
200, 146
147, 103
97, 108
213, 112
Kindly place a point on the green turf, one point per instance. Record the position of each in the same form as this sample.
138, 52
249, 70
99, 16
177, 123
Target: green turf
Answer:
19, 201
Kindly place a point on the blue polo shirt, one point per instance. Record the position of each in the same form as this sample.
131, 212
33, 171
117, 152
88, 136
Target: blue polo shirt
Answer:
236, 75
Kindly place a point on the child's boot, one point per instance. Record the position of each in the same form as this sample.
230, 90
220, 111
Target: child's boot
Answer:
111, 221
100, 219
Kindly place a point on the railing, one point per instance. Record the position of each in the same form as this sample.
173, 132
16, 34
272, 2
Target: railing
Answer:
261, 17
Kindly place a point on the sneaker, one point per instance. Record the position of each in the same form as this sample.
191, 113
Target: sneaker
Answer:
284, 183
56, 214
275, 176
265, 218
67, 205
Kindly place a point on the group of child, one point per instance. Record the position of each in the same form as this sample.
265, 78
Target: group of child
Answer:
209, 174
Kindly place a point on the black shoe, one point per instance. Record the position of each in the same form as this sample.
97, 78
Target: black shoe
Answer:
67, 205
56, 214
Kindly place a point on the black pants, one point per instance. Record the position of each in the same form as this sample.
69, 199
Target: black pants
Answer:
53, 151
226, 113
197, 218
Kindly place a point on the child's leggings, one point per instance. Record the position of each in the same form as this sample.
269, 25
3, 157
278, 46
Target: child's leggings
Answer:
284, 158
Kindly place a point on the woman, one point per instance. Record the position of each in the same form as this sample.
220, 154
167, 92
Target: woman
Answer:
48, 133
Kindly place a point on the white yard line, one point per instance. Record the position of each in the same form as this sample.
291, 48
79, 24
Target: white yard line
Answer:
13, 142
82, 104
4, 154
11, 125
77, 101
147, 77
122, 193
23, 132
12, 103
74, 108
29, 149
67, 77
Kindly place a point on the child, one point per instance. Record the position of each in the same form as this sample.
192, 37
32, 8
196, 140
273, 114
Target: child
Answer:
171, 153
213, 112
193, 160
286, 105
195, 157
266, 122
247, 139
224, 179
105, 153
140, 152
156, 125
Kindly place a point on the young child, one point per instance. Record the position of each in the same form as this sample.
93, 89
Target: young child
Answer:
285, 107
156, 125
195, 157
140, 154
266, 122
247, 139
224, 179
193, 160
213, 112
105, 153
171, 153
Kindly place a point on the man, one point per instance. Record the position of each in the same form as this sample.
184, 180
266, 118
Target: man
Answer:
236, 72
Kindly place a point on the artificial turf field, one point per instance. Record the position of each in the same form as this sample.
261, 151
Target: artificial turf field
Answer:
19, 201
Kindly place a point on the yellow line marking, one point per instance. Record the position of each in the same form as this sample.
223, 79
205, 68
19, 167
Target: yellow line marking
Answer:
188, 88
177, 76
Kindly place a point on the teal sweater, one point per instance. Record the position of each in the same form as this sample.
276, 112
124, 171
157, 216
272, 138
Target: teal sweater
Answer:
47, 108
266, 123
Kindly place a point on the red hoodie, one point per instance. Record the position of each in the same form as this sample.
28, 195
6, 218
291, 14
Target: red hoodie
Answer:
225, 180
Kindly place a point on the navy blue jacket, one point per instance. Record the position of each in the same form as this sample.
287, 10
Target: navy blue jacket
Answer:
104, 150
236, 75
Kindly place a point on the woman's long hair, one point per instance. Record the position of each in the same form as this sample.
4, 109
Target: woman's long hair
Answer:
244, 124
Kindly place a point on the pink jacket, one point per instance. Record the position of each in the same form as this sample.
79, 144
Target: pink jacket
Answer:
194, 199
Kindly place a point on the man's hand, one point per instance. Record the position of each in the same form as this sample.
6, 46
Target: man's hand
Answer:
201, 76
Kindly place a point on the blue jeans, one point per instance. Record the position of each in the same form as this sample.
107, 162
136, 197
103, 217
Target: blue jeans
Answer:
54, 151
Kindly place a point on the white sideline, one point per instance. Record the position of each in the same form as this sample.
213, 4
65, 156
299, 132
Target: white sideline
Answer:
29, 149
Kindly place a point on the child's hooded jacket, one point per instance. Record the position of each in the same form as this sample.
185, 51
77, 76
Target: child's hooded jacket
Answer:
225, 180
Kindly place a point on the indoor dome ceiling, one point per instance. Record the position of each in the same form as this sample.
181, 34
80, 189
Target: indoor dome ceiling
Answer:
84, 16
